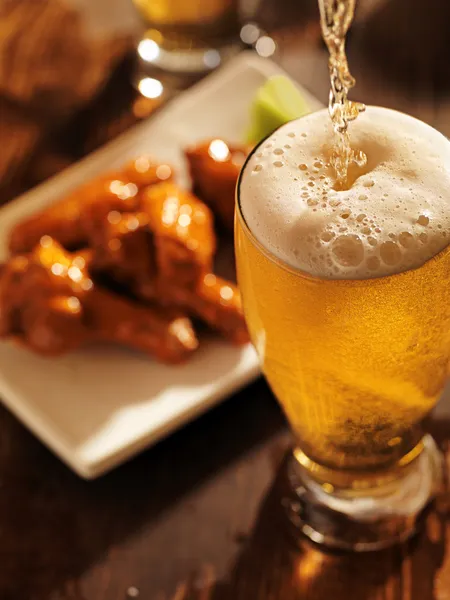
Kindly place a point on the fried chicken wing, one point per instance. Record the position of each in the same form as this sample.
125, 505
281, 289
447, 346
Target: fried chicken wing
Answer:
170, 241
123, 250
49, 302
159, 255
64, 221
214, 167
217, 302
147, 266
166, 335
183, 231
144, 171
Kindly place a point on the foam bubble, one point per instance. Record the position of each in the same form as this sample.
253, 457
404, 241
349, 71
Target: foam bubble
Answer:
373, 263
327, 236
423, 220
348, 250
390, 253
395, 214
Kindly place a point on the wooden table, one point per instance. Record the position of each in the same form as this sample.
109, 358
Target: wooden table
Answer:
206, 500
206, 497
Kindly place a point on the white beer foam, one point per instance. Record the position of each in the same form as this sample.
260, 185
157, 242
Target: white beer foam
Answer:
394, 217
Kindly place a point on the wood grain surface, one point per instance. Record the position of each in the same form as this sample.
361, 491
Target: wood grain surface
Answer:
199, 516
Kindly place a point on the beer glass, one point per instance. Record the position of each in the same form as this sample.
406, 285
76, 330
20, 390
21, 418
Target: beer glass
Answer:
357, 365
188, 37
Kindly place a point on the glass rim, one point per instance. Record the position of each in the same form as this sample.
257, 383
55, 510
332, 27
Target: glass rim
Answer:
383, 279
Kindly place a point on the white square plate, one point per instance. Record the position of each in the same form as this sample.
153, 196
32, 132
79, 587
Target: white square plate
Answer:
95, 408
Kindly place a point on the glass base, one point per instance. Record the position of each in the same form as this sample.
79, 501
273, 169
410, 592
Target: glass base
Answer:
370, 519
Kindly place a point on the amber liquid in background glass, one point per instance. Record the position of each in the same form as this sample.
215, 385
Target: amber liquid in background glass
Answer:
202, 19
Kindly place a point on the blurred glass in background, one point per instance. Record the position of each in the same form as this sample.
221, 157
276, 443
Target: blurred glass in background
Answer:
188, 37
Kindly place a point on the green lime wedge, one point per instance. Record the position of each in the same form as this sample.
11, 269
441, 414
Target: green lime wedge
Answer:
276, 102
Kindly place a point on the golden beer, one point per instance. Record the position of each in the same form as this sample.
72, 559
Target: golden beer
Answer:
202, 18
356, 364
345, 292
